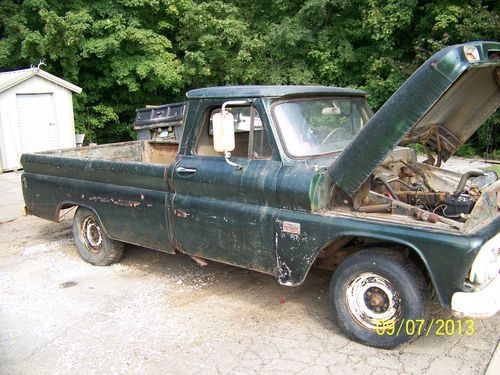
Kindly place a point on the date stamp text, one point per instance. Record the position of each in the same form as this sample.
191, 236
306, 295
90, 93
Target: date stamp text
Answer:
437, 327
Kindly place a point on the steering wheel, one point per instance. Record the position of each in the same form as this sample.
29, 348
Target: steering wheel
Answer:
341, 131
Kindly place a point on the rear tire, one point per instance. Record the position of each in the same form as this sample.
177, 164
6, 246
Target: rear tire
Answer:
375, 287
93, 245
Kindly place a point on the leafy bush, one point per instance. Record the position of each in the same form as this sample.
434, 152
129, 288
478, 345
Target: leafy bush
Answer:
129, 53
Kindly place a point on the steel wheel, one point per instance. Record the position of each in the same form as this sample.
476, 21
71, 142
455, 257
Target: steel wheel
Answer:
92, 235
92, 242
371, 299
375, 288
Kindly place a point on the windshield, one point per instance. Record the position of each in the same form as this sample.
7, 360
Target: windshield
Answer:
318, 126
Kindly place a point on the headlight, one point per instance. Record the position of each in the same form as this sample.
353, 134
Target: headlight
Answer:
487, 262
471, 53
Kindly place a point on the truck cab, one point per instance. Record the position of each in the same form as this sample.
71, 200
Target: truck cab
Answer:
246, 193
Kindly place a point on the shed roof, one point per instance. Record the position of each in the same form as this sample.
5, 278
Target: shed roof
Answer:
15, 77
270, 91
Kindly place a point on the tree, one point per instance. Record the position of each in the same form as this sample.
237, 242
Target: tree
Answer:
128, 53
118, 52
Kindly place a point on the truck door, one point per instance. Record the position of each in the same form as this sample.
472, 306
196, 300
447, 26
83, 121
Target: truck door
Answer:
223, 212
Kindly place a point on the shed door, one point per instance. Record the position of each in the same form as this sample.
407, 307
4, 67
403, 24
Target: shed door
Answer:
37, 125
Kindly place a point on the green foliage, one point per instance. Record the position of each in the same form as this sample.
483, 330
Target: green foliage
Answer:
466, 151
419, 149
118, 52
494, 168
128, 53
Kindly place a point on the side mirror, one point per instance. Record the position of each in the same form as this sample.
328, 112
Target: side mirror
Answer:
223, 131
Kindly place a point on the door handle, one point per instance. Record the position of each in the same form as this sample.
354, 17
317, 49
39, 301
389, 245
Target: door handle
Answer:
185, 170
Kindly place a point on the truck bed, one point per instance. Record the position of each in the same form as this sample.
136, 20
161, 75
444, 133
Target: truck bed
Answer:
125, 183
151, 152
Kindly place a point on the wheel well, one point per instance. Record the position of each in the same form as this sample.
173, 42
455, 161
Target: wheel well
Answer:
337, 250
63, 206
73, 206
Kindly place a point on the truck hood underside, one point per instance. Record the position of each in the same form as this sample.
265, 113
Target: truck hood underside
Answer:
440, 106
459, 112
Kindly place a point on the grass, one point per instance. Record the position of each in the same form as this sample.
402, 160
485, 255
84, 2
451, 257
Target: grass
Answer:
494, 168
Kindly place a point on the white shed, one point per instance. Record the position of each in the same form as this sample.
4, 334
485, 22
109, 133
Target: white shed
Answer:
36, 114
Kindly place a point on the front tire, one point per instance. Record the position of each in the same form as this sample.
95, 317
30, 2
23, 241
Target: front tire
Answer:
376, 288
93, 245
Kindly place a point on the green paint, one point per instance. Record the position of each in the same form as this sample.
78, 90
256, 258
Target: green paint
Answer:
237, 216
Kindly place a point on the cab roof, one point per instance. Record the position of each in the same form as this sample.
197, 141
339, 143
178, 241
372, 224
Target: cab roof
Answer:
271, 91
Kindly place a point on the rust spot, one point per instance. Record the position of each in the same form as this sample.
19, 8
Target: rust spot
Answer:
118, 202
200, 261
121, 202
181, 214
427, 216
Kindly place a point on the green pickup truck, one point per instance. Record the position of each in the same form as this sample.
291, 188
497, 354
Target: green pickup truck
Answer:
279, 179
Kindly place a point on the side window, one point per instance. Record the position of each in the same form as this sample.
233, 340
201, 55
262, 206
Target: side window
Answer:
248, 144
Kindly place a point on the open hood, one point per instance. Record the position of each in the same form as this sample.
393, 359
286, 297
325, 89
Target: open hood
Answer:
460, 111
440, 106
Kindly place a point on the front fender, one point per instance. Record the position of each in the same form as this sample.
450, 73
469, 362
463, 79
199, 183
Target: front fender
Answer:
447, 256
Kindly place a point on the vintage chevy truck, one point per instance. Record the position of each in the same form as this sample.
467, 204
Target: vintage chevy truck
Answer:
278, 179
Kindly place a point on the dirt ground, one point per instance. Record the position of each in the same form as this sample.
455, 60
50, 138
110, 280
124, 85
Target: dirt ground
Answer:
157, 313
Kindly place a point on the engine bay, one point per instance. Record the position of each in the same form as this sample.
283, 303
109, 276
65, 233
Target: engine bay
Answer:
402, 185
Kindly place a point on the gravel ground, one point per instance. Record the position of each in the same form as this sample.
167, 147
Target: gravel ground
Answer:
462, 165
160, 313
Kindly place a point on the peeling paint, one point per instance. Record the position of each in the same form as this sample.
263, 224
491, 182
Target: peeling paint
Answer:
118, 202
121, 202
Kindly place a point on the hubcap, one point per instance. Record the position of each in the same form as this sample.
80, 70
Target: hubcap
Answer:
372, 298
91, 234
